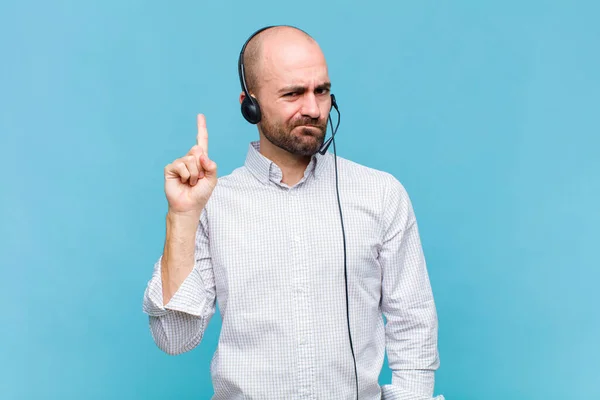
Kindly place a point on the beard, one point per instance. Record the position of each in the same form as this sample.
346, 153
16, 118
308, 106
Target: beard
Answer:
306, 140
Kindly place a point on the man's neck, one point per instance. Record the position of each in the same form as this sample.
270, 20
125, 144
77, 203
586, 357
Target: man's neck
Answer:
292, 166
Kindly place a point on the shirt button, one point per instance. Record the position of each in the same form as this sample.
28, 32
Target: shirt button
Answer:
297, 239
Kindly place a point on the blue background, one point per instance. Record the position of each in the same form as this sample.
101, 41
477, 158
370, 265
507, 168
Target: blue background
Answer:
487, 112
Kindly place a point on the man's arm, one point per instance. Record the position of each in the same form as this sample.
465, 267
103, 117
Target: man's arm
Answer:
180, 297
407, 302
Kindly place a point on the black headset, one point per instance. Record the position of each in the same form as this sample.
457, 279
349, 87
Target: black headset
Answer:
250, 107
251, 112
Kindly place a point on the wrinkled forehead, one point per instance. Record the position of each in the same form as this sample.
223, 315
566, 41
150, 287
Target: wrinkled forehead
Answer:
299, 63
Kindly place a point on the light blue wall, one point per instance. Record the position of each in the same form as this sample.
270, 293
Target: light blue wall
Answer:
487, 112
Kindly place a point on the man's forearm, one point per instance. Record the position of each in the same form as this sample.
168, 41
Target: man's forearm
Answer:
178, 254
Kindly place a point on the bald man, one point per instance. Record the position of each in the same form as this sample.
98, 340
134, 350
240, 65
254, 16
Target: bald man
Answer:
265, 242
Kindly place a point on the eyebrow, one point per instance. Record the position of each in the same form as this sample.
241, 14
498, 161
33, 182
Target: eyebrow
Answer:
302, 89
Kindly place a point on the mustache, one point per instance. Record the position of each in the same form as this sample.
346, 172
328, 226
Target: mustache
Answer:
314, 122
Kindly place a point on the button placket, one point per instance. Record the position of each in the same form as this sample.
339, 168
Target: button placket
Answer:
303, 306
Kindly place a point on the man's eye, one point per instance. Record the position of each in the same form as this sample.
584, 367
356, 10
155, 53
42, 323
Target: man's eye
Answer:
290, 94
322, 91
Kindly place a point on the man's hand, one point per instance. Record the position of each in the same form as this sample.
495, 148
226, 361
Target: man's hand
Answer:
190, 180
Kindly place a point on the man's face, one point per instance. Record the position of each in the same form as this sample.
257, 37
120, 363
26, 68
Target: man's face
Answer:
294, 97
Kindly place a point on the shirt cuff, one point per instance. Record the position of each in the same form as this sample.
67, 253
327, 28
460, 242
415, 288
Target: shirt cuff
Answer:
190, 298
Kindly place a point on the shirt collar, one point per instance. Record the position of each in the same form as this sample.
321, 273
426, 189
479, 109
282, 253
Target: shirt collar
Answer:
266, 170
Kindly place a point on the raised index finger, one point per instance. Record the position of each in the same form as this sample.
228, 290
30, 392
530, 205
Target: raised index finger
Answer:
202, 137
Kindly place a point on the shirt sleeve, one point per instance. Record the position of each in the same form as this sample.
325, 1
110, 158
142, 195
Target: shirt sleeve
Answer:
179, 325
407, 302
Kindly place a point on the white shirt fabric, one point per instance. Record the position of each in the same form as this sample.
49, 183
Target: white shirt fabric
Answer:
272, 257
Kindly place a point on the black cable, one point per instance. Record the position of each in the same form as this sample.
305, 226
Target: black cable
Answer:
333, 132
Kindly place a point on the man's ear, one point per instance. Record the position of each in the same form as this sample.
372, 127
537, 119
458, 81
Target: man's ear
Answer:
242, 96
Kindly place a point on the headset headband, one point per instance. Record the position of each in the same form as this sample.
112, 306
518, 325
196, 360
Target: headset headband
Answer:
250, 107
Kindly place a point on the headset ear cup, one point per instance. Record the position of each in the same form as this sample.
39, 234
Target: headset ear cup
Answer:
251, 110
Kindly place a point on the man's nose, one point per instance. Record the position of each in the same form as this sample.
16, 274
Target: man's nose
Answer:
310, 107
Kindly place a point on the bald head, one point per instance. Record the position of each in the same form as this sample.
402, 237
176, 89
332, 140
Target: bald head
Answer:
270, 48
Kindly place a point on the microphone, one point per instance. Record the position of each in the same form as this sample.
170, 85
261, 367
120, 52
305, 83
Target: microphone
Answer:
325, 145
